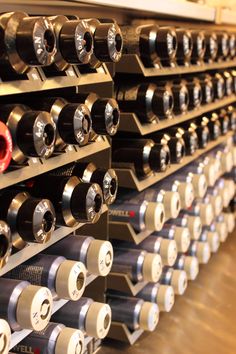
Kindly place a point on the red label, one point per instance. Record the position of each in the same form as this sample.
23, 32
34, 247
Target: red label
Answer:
29, 183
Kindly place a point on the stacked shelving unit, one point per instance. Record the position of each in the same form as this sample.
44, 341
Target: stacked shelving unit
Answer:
97, 151
168, 12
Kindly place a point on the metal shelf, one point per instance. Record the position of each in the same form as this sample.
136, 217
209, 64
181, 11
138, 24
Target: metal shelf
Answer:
37, 81
125, 232
121, 332
227, 17
38, 166
34, 248
129, 122
17, 337
132, 64
122, 282
208, 305
128, 179
168, 8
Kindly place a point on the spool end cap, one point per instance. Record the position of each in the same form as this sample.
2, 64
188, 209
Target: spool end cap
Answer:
70, 341
203, 252
199, 185
191, 267
154, 216
179, 281
5, 336
152, 267
194, 225
100, 257
165, 298
172, 204
186, 192
149, 316
98, 320
34, 300
214, 241
168, 251
70, 280
182, 238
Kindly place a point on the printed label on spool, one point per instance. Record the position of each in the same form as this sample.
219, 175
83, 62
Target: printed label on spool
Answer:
33, 274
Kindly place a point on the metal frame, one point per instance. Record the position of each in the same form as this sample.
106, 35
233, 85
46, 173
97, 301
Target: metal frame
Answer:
37, 81
122, 282
128, 179
125, 232
121, 332
132, 64
158, 7
170, 9
129, 122
17, 337
97, 151
38, 166
226, 16
155, 7
98, 230
34, 248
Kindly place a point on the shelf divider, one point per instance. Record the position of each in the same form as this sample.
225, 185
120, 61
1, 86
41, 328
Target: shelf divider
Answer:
120, 331
122, 282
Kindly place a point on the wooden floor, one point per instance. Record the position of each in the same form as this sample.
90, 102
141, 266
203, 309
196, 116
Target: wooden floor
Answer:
203, 321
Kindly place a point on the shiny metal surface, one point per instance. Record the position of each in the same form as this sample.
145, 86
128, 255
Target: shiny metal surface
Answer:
203, 321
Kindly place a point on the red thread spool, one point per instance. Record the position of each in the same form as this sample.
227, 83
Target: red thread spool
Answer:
5, 147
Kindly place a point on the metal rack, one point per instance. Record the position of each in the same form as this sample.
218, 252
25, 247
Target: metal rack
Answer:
34, 248
100, 150
98, 230
170, 8
226, 16
132, 64
97, 151
130, 123
123, 283
17, 337
128, 179
38, 166
121, 332
37, 81
125, 232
